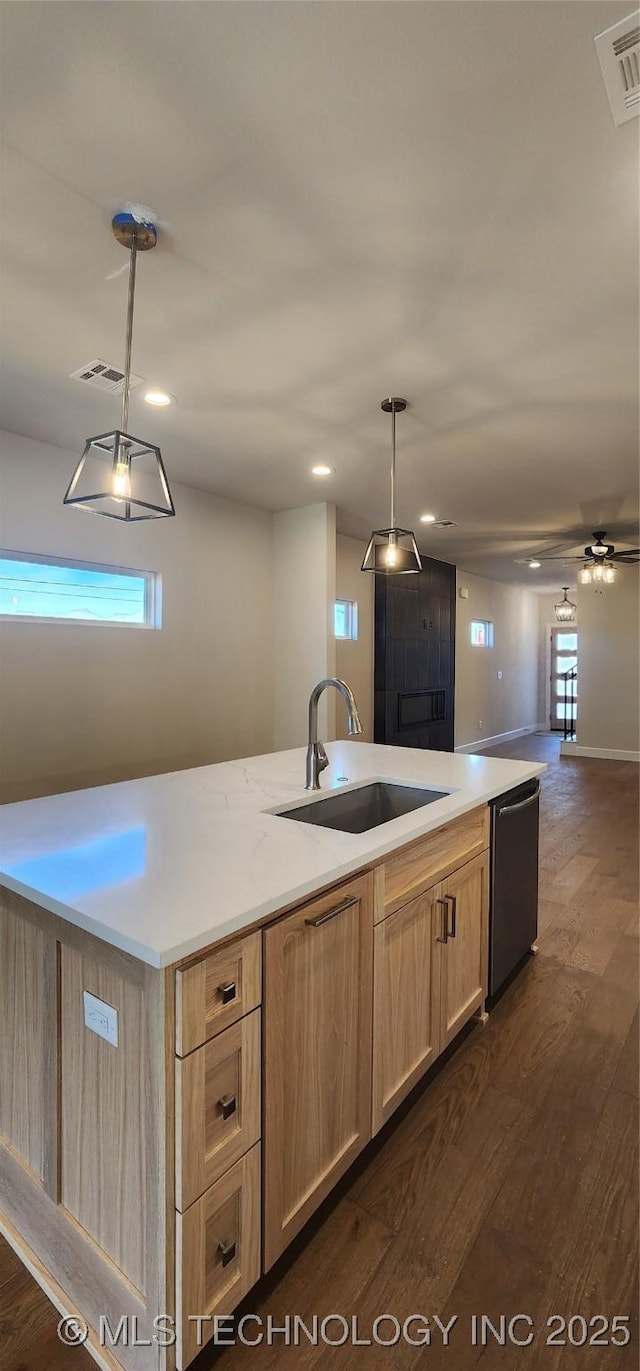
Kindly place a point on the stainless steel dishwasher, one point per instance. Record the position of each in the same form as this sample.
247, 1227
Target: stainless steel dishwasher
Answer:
513, 923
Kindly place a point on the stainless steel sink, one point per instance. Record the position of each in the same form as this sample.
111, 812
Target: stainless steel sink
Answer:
367, 806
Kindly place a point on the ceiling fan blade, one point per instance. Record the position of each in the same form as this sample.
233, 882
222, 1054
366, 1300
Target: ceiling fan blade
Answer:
561, 559
627, 554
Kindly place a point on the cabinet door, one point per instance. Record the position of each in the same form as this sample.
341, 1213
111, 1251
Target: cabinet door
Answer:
405, 1019
317, 1034
463, 959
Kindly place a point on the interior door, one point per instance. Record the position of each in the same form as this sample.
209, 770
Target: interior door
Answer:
564, 657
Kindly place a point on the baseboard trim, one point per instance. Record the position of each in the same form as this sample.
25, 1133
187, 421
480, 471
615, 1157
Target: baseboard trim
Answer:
498, 738
610, 754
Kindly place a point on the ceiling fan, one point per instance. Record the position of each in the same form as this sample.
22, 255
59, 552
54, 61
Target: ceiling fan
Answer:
598, 551
598, 561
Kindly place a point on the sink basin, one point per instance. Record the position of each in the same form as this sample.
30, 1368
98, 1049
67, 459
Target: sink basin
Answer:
367, 806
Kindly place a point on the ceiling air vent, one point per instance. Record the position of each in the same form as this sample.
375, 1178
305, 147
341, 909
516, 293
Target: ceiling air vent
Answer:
444, 523
103, 376
618, 49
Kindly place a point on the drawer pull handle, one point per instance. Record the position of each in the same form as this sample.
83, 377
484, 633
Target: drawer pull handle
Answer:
444, 936
227, 991
452, 902
227, 1252
331, 914
228, 1105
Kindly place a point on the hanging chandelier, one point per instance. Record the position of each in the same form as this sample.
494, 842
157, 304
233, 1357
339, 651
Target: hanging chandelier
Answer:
565, 609
392, 551
118, 475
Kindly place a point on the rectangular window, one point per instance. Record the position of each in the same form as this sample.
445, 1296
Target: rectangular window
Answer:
35, 587
481, 633
346, 619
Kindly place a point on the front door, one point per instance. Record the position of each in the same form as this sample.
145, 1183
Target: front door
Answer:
564, 692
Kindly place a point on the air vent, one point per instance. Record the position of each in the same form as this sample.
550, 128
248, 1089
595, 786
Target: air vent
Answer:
444, 523
103, 376
618, 50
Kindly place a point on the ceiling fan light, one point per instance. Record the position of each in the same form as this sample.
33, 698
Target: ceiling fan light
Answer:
585, 576
609, 574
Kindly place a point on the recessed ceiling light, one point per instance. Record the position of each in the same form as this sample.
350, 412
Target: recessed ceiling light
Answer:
157, 397
534, 565
321, 470
427, 518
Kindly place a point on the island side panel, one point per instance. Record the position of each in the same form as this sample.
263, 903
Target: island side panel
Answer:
102, 1237
29, 1044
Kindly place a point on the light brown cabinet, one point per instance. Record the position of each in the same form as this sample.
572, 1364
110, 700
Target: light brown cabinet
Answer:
216, 991
430, 976
217, 1253
217, 1106
317, 1015
463, 954
405, 1022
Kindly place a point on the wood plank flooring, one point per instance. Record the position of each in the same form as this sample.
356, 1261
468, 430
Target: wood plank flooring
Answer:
510, 1184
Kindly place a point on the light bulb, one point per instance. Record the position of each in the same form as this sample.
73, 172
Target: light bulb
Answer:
599, 572
391, 552
609, 574
534, 565
121, 481
584, 576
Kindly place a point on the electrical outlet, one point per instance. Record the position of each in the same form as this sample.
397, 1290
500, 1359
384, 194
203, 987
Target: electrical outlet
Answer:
480, 723
101, 1018
499, 675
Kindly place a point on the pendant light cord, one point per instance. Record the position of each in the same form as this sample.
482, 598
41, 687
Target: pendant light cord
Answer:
393, 465
127, 355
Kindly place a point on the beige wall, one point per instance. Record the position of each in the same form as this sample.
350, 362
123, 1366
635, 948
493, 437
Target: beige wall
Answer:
608, 665
82, 704
485, 706
354, 659
304, 563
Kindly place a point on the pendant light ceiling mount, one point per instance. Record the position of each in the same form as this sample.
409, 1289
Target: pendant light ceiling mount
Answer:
392, 551
120, 476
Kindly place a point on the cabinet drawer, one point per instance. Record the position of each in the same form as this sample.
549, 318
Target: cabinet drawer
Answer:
217, 1107
214, 992
431, 858
217, 1252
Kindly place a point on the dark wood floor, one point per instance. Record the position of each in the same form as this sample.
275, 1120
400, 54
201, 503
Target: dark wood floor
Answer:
510, 1186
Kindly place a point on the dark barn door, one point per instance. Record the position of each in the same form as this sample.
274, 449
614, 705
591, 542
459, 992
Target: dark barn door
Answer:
415, 657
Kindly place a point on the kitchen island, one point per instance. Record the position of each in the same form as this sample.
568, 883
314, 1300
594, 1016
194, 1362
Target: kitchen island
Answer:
206, 1012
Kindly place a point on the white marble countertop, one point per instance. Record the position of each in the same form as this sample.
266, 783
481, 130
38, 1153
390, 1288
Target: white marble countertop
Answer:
164, 866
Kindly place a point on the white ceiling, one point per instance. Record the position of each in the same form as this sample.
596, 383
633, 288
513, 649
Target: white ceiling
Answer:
357, 199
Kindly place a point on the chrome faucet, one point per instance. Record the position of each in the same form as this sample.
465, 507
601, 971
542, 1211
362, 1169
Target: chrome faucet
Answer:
317, 758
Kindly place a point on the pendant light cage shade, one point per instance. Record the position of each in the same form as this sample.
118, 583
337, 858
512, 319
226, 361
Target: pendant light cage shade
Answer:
392, 552
565, 609
121, 477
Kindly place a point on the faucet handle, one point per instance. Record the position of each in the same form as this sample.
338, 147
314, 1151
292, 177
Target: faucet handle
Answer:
323, 760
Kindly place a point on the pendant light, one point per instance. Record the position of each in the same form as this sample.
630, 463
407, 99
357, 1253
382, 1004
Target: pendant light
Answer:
392, 551
118, 475
565, 609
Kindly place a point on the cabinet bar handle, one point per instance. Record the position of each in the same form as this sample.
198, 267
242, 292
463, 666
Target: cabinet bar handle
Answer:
227, 1252
331, 914
228, 1104
444, 936
227, 991
452, 901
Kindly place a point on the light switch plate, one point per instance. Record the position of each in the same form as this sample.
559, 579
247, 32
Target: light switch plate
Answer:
101, 1018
